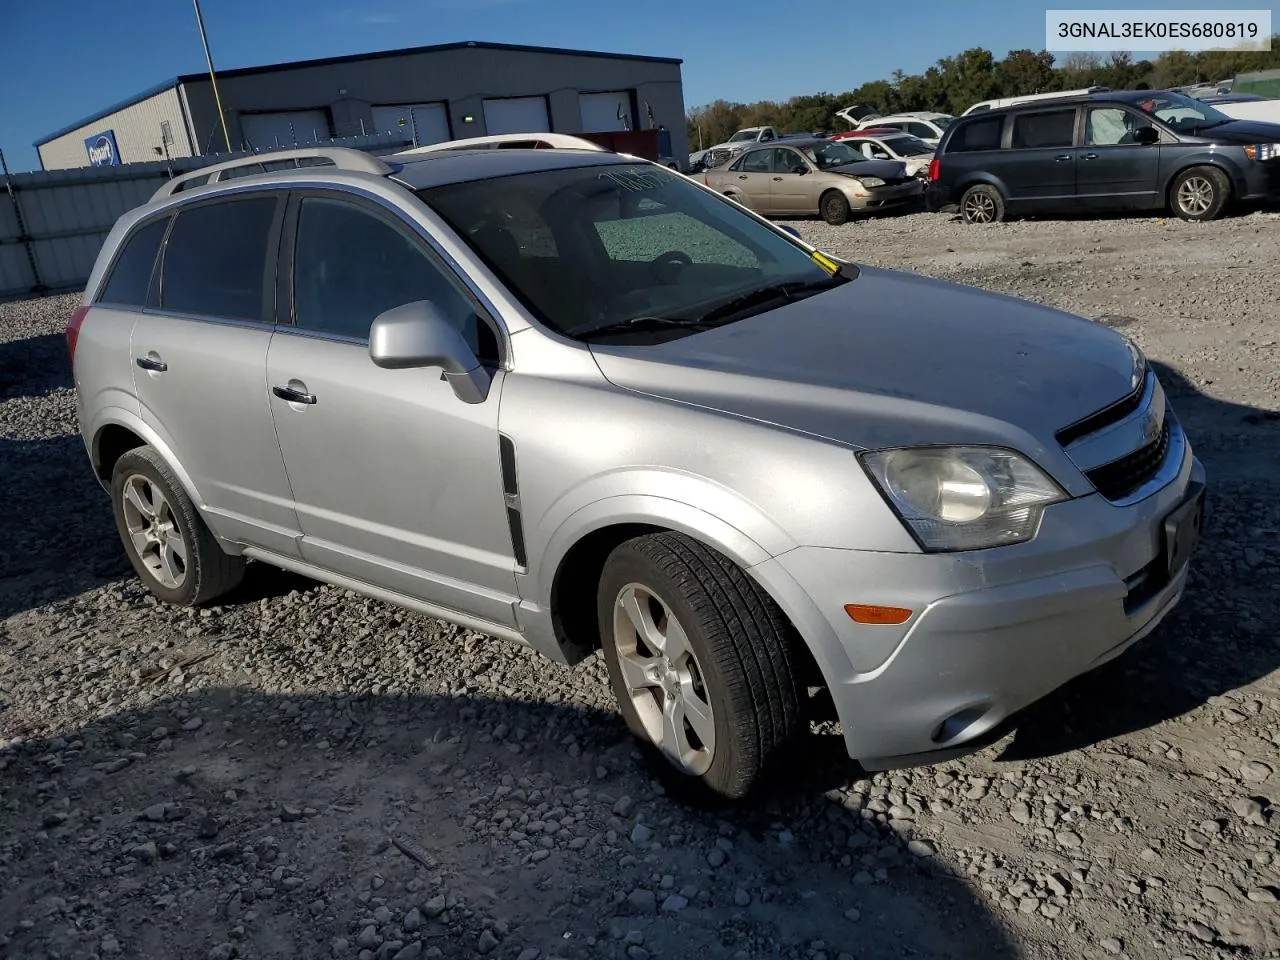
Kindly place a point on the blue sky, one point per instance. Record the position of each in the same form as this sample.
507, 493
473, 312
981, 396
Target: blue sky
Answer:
63, 59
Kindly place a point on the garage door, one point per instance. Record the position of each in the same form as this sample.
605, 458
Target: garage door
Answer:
430, 120
516, 115
603, 112
267, 130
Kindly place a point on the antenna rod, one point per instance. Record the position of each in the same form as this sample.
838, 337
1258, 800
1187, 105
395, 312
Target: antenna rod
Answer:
226, 137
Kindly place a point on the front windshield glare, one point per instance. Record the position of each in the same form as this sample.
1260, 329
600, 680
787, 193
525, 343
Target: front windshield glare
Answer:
828, 155
742, 135
1178, 110
590, 246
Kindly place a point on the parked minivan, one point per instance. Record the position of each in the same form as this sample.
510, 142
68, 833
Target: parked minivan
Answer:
1141, 149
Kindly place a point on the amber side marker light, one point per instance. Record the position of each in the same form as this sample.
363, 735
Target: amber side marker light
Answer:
880, 616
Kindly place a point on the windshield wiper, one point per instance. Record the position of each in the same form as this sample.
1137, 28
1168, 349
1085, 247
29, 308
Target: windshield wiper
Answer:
641, 324
793, 290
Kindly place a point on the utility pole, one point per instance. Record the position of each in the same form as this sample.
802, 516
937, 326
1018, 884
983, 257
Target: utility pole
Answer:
226, 137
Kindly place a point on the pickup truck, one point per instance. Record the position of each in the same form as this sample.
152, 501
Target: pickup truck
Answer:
746, 137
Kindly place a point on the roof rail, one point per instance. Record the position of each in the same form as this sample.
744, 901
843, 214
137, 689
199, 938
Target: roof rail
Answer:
344, 158
498, 141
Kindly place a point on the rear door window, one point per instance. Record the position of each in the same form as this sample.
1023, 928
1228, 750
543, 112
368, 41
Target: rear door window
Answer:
1052, 128
215, 263
131, 276
981, 134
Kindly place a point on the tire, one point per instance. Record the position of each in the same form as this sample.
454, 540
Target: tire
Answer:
834, 207
172, 550
736, 672
982, 203
1200, 193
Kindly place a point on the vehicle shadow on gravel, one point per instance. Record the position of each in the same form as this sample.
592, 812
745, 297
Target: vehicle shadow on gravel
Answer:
1222, 635
232, 823
34, 367
57, 534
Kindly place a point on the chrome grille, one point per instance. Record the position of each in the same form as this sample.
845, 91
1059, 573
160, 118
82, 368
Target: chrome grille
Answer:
1120, 478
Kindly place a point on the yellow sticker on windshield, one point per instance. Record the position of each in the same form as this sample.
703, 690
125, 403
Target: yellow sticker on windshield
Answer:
825, 262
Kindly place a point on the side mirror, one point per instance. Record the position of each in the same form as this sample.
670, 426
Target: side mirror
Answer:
1146, 136
417, 335
800, 169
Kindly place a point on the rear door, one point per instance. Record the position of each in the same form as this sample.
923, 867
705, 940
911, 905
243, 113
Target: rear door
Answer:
1039, 166
199, 358
1114, 171
750, 178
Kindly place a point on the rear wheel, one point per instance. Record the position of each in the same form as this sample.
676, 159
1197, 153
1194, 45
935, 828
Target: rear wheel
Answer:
834, 207
1200, 193
171, 549
699, 661
982, 203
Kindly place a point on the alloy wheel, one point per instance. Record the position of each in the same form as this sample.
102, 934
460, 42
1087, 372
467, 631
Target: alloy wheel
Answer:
979, 208
662, 677
154, 531
1195, 196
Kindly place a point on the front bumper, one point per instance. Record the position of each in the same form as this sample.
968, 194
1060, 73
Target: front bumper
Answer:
1261, 181
993, 630
882, 198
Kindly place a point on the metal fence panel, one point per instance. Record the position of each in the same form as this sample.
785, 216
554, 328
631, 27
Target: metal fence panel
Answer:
15, 268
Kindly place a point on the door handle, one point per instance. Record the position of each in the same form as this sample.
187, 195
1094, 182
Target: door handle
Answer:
778, 179
742, 176
293, 396
1062, 156
152, 362
1090, 156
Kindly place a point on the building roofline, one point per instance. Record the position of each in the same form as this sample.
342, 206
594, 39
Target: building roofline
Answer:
348, 58
107, 111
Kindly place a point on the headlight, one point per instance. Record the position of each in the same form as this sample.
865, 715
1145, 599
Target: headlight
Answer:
871, 181
1262, 151
963, 498
1139, 365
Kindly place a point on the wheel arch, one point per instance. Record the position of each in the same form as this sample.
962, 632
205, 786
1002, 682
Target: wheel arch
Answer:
1235, 178
115, 432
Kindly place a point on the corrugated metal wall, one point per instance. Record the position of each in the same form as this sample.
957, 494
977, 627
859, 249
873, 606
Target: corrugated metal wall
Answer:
53, 222
137, 129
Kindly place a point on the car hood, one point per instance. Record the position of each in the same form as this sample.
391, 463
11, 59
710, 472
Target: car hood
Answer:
892, 358
885, 169
1242, 131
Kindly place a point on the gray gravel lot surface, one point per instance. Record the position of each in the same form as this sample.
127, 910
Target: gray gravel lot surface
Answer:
304, 773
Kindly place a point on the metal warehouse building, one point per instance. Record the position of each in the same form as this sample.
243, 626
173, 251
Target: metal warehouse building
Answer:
423, 94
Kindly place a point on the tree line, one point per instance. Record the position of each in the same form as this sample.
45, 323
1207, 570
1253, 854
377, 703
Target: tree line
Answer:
954, 84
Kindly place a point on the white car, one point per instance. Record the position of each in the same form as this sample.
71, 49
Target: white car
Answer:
929, 127
889, 144
1031, 98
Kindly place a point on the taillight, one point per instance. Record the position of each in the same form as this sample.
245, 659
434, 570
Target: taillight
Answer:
934, 166
73, 331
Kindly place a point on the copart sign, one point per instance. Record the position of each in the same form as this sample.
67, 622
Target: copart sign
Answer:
102, 149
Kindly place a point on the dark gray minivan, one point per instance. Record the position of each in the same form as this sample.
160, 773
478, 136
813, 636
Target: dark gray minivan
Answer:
1139, 149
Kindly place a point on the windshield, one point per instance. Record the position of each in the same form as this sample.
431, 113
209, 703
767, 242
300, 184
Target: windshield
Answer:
1181, 112
742, 135
831, 153
908, 146
942, 122
599, 245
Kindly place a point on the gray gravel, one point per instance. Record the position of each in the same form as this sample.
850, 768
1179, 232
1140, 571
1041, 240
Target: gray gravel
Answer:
300, 772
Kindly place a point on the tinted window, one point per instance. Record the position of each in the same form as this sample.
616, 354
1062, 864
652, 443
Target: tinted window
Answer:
1055, 128
131, 276
981, 134
761, 161
924, 131
216, 257
351, 265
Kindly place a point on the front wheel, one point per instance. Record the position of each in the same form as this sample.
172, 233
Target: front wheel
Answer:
699, 660
834, 207
1200, 193
982, 203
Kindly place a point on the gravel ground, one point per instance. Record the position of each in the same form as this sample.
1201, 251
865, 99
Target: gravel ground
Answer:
304, 773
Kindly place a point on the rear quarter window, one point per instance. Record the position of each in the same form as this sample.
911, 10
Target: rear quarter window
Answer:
977, 135
130, 277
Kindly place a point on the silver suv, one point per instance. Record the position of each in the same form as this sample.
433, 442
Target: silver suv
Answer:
577, 400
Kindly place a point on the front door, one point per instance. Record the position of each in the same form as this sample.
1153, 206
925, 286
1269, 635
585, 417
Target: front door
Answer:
1039, 167
793, 193
1113, 169
396, 481
198, 366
